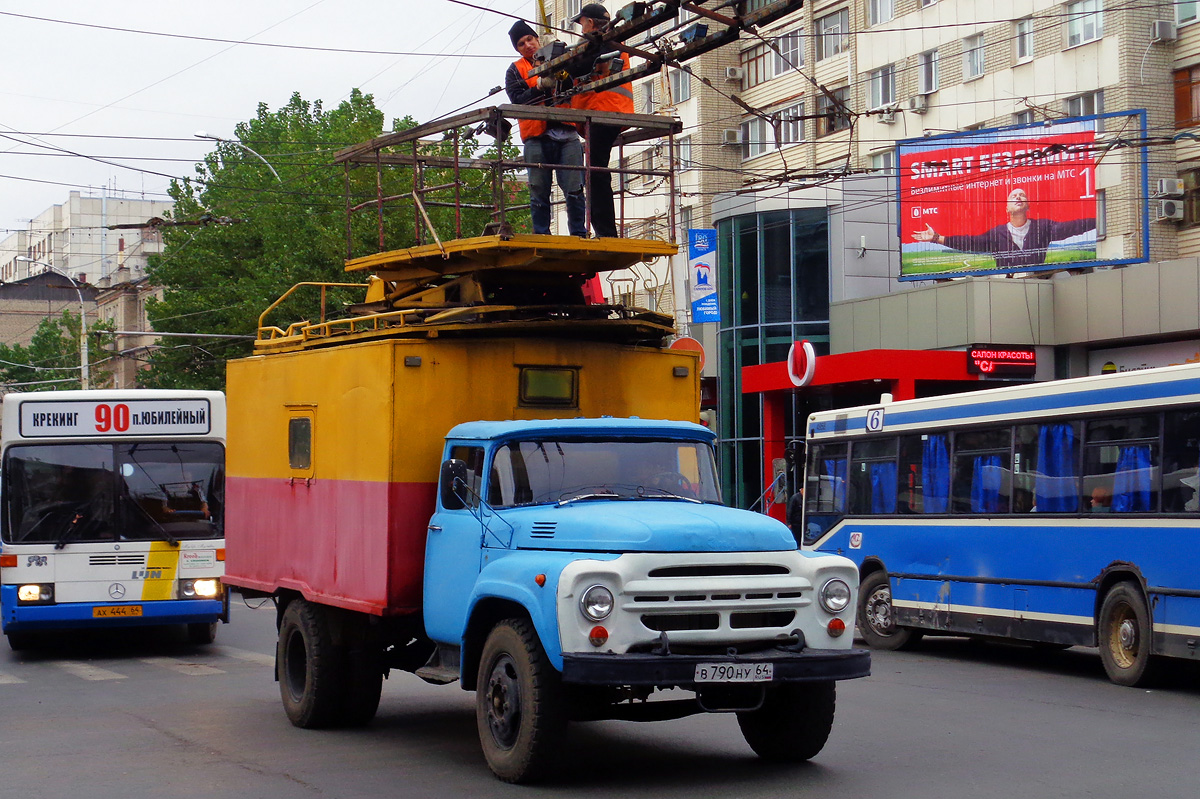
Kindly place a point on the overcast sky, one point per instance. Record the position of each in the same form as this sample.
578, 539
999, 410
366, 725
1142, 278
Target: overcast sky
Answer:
60, 78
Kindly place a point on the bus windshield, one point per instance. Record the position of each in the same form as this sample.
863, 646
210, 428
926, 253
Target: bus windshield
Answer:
129, 491
532, 472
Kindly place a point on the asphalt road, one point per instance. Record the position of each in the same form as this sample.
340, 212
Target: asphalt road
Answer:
147, 714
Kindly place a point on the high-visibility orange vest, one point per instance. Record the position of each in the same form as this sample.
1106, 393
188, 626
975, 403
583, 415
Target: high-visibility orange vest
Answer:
530, 128
619, 98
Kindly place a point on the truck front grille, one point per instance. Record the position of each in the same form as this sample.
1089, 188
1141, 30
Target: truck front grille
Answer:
674, 622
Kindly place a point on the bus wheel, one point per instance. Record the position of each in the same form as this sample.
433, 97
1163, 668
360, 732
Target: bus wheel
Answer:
1125, 636
306, 664
202, 633
876, 619
20, 641
793, 723
519, 706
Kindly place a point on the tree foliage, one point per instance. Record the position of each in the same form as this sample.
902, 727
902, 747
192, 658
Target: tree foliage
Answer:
51, 361
260, 235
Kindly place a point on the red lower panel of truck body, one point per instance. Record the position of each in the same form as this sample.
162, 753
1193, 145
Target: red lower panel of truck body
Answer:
350, 543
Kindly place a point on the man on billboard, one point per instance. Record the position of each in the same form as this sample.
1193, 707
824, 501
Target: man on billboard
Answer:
1019, 242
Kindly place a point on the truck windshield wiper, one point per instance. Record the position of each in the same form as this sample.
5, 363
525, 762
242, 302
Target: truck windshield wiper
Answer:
665, 494
590, 495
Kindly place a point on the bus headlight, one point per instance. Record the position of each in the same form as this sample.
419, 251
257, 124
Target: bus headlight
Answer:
834, 596
36, 594
596, 603
207, 588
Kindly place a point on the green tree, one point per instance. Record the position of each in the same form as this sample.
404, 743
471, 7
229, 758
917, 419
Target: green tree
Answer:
51, 361
241, 237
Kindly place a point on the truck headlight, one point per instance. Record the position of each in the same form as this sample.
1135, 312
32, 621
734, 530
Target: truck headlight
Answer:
834, 595
206, 588
36, 594
596, 603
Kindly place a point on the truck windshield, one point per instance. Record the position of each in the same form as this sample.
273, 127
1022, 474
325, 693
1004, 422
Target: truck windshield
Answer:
68, 493
532, 472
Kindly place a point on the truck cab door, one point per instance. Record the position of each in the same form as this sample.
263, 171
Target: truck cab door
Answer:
453, 551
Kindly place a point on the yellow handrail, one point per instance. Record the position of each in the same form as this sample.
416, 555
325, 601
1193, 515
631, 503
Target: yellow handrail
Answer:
288, 293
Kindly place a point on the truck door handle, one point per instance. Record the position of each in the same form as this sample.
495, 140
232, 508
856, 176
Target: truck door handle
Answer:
435, 528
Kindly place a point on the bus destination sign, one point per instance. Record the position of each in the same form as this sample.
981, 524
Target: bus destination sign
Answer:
999, 360
91, 418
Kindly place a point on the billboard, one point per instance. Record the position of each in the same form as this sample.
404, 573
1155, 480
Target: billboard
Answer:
702, 258
1020, 199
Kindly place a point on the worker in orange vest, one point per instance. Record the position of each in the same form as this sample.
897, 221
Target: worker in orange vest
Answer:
550, 143
592, 18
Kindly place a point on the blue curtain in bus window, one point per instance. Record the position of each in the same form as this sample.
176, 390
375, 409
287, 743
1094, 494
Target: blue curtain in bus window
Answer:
883, 487
935, 475
1055, 487
1131, 488
986, 477
835, 468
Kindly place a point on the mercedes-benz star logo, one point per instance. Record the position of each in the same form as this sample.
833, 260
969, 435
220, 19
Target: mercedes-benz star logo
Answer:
116, 590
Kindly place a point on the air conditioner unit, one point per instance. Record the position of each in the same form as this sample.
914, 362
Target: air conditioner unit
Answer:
918, 103
1168, 187
734, 73
731, 136
1163, 30
1168, 210
887, 116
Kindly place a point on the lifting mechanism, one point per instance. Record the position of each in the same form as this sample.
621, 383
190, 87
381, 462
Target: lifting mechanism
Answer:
494, 281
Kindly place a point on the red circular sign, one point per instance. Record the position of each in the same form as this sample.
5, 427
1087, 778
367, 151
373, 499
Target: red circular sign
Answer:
801, 362
691, 345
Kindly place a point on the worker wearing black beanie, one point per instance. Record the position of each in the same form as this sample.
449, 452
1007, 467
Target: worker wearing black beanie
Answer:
549, 143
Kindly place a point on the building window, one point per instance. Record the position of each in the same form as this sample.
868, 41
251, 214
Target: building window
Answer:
685, 219
573, 7
1191, 198
831, 116
681, 86
1085, 21
879, 11
973, 56
1023, 117
883, 163
927, 72
683, 148
1101, 214
832, 34
1024, 39
1085, 105
1187, 97
883, 86
1186, 11
648, 98
758, 134
756, 65
927, 3
789, 52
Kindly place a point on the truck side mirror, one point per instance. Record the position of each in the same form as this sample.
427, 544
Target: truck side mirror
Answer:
454, 475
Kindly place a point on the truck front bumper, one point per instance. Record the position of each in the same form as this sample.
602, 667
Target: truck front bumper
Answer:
808, 665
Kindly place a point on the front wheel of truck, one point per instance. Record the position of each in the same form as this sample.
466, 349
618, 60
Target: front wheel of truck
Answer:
793, 723
518, 704
306, 664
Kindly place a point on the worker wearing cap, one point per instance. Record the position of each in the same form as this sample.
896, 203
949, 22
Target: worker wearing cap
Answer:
551, 143
592, 18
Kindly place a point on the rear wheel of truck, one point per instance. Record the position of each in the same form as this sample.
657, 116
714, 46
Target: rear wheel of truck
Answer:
793, 723
363, 681
306, 663
518, 704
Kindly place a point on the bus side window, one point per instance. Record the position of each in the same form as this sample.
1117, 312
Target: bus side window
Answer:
1121, 461
1181, 462
873, 479
982, 472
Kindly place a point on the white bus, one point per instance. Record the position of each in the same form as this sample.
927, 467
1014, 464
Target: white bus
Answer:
112, 511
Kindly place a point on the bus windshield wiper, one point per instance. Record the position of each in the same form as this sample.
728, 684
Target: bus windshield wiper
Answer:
162, 531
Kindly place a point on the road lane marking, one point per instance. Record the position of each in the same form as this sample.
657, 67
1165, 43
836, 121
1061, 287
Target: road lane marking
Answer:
86, 671
9, 679
183, 667
253, 657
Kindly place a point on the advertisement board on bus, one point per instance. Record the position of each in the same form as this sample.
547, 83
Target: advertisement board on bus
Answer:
1019, 199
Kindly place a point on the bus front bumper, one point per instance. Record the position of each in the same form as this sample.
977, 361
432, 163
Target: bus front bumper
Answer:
20, 618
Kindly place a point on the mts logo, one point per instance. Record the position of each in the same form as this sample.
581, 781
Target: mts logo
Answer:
146, 574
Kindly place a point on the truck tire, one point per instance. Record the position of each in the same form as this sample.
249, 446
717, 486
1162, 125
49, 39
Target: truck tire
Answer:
793, 723
876, 617
202, 633
519, 704
363, 682
1124, 635
307, 666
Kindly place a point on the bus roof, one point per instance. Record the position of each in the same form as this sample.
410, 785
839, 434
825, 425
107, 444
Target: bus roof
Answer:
632, 426
1126, 391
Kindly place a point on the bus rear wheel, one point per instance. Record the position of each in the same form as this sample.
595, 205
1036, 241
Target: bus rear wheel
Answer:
1125, 635
876, 617
202, 633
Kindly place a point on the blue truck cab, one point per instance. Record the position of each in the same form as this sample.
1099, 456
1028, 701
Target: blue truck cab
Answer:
580, 569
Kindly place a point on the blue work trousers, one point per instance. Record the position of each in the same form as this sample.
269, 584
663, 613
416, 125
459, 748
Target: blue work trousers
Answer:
546, 150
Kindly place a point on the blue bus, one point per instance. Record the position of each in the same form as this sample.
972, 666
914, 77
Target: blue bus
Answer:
1060, 513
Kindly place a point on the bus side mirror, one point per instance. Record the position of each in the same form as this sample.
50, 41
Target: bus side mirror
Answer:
453, 480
